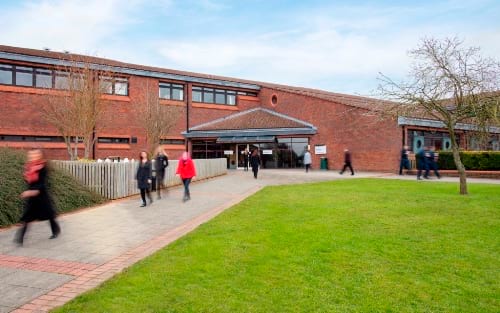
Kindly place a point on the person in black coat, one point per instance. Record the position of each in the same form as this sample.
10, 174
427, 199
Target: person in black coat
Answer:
39, 204
431, 159
421, 163
246, 156
405, 162
347, 162
161, 163
144, 177
255, 162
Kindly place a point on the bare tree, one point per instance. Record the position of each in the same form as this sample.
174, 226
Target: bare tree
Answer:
157, 119
76, 111
449, 83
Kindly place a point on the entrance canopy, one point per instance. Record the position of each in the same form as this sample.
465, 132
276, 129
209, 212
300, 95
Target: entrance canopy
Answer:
251, 126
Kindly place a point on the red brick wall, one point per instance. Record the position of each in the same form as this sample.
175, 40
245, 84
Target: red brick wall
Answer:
374, 144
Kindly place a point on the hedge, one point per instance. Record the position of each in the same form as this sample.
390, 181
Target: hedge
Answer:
67, 193
472, 160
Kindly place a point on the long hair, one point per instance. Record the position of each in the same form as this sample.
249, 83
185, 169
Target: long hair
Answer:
140, 155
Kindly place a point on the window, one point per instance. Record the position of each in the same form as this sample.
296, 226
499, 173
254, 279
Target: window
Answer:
171, 91
113, 140
21, 138
114, 85
172, 141
210, 95
43, 78
197, 94
61, 80
6, 74
24, 76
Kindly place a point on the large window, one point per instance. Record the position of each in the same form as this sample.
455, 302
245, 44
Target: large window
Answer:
114, 85
6, 74
113, 140
211, 95
171, 91
47, 78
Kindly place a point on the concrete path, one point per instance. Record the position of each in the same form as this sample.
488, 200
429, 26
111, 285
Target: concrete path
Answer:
99, 242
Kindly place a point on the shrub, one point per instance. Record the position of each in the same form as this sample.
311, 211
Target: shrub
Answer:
472, 160
67, 193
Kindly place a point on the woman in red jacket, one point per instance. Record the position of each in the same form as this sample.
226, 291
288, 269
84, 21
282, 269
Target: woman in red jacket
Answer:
186, 171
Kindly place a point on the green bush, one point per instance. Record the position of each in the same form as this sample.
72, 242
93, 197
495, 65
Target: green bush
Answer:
472, 160
67, 193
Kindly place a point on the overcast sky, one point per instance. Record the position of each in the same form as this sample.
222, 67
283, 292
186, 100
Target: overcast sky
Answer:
338, 46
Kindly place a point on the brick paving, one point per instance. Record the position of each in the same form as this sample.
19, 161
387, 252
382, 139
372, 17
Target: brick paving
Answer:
100, 242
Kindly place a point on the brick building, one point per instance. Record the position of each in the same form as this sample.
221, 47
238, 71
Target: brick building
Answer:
221, 116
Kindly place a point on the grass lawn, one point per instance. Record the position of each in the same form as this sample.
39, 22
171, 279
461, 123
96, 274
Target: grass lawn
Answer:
362, 245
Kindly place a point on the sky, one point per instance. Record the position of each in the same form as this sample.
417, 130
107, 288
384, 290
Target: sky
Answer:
339, 46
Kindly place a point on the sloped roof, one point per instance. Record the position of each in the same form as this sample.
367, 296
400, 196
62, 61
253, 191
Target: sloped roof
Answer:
257, 118
350, 100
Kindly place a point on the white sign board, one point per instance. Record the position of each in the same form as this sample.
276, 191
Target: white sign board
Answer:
320, 149
228, 152
267, 151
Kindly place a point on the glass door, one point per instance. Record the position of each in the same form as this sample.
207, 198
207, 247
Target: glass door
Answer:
242, 151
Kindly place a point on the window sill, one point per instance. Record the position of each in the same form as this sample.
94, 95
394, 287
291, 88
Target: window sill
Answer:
173, 147
116, 98
32, 90
248, 98
215, 106
172, 102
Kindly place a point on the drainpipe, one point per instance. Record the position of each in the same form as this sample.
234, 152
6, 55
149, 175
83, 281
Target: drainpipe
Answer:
188, 104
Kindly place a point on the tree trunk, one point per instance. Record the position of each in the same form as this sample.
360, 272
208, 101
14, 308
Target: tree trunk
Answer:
458, 162
67, 141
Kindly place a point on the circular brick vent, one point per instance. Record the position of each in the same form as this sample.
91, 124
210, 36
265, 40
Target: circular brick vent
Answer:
274, 100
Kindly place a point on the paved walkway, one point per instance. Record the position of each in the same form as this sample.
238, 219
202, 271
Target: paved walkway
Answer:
99, 242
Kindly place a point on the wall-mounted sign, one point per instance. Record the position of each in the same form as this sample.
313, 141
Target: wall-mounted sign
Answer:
267, 151
320, 149
228, 152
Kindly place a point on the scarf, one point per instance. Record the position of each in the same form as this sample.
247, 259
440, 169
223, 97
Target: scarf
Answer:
32, 170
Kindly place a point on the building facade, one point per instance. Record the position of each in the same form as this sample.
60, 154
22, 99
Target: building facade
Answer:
220, 116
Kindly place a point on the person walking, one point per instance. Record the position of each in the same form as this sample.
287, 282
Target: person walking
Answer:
421, 163
255, 162
307, 160
161, 163
405, 162
38, 202
347, 162
246, 156
431, 157
187, 171
144, 177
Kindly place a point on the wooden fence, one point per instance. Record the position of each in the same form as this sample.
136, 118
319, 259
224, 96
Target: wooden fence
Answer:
117, 180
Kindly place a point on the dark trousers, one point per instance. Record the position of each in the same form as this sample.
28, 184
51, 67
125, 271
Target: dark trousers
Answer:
405, 163
159, 183
186, 182
54, 227
347, 165
144, 192
308, 166
255, 170
431, 166
245, 165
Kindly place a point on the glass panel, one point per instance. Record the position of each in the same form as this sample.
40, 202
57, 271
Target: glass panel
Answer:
177, 94
6, 74
61, 80
208, 96
196, 96
164, 92
106, 86
43, 78
231, 99
24, 76
121, 88
178, 86
220, 98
